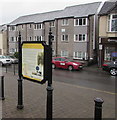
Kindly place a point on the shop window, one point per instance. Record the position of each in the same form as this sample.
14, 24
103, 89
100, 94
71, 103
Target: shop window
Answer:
109, 53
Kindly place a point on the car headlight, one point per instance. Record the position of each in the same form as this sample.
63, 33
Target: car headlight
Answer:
75, 64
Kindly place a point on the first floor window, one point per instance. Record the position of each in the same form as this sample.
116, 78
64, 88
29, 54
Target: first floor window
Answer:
112, 23
38, 38
80, 37
64, 38
64, 53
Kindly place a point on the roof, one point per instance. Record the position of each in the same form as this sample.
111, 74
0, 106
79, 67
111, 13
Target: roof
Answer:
3, 28
107, 7
71, 11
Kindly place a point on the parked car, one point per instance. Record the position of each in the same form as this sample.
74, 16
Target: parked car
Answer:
111, 67
13, 59
4, 60
62, 62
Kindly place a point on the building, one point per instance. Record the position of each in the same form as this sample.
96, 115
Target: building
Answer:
75, 31
108, 32
3, 40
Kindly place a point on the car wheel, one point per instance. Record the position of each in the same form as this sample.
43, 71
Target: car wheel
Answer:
53, 66
113, 71
70, 68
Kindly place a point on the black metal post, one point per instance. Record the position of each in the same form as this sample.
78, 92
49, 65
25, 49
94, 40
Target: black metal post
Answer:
20, 88
49, 87
98, 109
2, 88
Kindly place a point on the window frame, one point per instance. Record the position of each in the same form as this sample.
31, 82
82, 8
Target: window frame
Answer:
64, 53
77, 20
110, 19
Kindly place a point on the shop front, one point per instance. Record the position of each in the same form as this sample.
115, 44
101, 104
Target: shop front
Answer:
107, 50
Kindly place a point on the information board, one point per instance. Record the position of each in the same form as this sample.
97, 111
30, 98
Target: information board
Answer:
33, 61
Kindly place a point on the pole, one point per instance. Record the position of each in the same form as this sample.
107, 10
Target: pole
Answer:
49, 87
98, 109
6, 68
14, 68
2, 88
20, 88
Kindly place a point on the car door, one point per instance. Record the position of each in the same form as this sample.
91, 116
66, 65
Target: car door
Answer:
57, 62
63, 63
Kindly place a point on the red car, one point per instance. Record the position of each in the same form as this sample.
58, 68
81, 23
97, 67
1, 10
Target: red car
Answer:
62, 62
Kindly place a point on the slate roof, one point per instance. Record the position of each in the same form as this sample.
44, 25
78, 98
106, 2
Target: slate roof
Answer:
106, 8
72, 11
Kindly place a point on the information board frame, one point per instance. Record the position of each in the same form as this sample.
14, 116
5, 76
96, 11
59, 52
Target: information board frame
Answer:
30, 45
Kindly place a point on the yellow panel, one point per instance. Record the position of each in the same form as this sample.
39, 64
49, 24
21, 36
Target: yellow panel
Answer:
33, 46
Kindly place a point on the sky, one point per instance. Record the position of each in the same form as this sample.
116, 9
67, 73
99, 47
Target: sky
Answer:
12, 9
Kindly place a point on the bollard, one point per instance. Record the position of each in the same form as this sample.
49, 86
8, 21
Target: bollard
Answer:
98, 109
2, 88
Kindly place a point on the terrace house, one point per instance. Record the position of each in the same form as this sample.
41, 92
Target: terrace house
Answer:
74, 29
108, 32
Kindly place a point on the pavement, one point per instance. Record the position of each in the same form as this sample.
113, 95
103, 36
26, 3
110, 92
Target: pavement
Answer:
69, 101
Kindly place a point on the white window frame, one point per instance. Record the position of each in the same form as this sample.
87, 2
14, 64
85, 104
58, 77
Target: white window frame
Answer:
52, 24
65, 22
38, 26
76, 55
40, 38
64, 40
78, 38
77, 19
12, 28
64, 53
110, 19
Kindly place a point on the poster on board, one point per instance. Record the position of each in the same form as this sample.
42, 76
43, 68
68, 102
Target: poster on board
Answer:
33, 61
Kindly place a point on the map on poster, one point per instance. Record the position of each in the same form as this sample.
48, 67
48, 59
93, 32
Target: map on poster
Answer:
33, 61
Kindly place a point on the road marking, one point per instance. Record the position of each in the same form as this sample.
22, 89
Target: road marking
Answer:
102, 91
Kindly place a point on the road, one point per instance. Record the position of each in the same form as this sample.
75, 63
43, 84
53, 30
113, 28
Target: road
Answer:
90, 77
99, 80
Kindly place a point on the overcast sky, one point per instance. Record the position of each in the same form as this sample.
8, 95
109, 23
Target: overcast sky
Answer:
12, 9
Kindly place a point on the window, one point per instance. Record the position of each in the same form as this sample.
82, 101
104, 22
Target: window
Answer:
12, 28
12, 39
65, 22
52, 24
80, 22
75, 37
79, 55
30, 38
22, 26
64, 53
64, 38
112, 23
80, 37
38, 38
38, 26
30, 26
108, 53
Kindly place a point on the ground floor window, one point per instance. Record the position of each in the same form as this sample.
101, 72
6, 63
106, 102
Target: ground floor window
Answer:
110, 53
64, 53
79, 55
